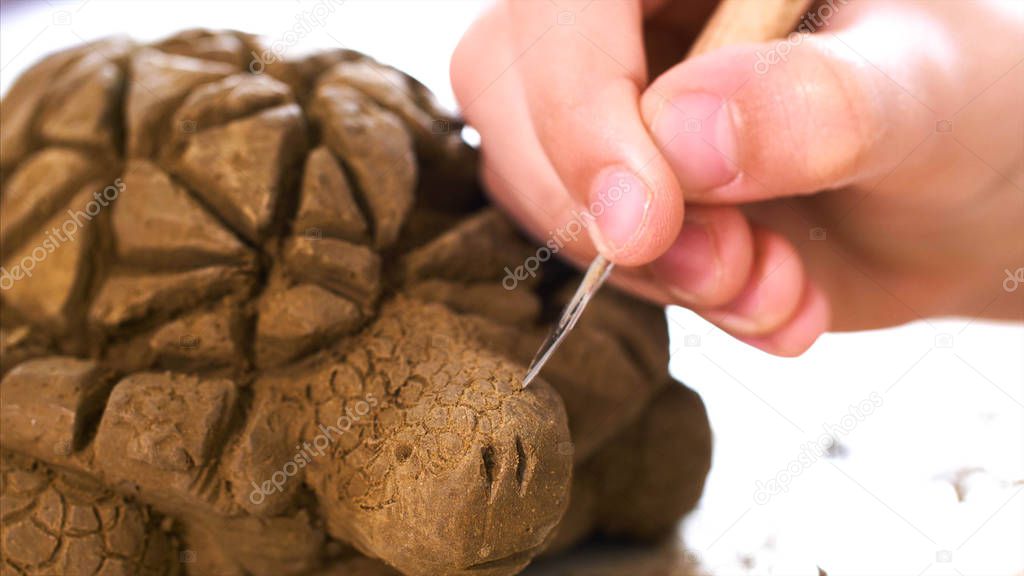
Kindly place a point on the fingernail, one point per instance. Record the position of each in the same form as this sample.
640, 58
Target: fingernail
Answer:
801, 331
738, 316
696, 134
618, 203
739, 319
690, 267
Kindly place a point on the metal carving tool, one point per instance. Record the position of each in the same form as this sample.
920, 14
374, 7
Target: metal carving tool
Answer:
596, 274
733, 21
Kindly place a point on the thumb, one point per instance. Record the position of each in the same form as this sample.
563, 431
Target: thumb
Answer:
776, 119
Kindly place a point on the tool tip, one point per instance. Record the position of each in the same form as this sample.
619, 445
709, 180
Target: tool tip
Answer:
531, 373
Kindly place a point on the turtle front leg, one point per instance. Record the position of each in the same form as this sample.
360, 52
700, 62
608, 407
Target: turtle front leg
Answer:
60, 523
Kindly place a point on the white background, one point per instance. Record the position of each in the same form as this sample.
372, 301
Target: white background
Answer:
951, 391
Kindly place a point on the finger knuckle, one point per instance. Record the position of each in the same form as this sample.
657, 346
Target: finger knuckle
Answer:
848, 107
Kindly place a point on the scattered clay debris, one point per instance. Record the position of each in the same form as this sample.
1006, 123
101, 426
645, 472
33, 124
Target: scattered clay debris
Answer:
836, 449
253, 323
959, 478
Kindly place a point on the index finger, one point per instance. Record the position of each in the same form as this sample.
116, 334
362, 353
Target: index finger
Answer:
582, 69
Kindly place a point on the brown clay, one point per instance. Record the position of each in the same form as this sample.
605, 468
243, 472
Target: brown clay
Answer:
267, 323
60, 523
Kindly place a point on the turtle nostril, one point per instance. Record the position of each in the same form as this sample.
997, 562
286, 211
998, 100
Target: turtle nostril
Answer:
520, 461
522, 466
487, 455
402, 452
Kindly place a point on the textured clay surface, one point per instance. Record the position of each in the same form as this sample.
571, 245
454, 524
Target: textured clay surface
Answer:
254, 322
56, 523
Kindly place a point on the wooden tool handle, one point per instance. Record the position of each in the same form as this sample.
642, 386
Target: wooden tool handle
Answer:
736, 21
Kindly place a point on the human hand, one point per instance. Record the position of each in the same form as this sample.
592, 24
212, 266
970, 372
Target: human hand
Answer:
865, 175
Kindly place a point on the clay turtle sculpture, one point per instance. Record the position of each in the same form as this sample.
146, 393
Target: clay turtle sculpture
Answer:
254, 322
